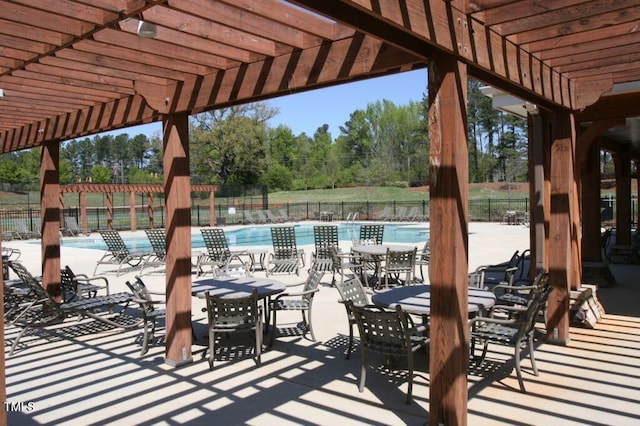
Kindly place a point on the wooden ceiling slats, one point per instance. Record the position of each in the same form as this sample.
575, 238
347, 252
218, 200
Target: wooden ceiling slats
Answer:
211, 30
565, 16
250, 24
86, 54
72, 9
141, 59
171, 50
41, 19
596, 23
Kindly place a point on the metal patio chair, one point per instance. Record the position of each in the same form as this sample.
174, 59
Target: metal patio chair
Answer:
158, 255
219, 256
151, 315
76, 286
325, 237
387, 332
352, 290
286, 258
118, 254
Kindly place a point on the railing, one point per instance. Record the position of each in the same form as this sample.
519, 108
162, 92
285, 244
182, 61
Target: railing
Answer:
486, 210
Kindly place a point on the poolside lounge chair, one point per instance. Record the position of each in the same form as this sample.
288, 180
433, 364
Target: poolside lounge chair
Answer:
218, 256
262, 217
22, 231
273, 218
285, 216
385, 214
249, 218
71, 227
325, 238
118, 254
42, 311
158, 255
400, 215
286, 257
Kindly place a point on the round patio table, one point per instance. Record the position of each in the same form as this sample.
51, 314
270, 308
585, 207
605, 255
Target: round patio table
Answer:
416, 299
237, 287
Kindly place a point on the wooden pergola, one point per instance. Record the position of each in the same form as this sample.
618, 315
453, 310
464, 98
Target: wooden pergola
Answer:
109, 189
72, 68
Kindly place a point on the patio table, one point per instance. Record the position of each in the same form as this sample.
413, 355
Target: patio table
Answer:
416, 299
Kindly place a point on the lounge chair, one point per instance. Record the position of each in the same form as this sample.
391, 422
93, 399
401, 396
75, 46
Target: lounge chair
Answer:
385, 214
218, 256
400, 215
273, 218
71, 227
286, 257
248, 217
118, 254
42, 311
285, 216
262, 217
158, 255
22, 230
325, 238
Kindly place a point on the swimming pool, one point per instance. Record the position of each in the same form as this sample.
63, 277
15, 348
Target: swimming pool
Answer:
250, 236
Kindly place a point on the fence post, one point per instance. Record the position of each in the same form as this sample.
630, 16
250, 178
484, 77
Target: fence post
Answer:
489, 209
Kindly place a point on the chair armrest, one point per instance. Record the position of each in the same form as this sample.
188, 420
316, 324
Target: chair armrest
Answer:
501, 321
149, 302
295, 294
508, 287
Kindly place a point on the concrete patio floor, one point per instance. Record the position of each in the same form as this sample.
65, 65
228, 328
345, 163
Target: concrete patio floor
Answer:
84, 373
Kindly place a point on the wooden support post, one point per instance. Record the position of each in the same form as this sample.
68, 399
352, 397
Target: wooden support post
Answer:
50, 217
537, 194
3, 381
561, 220
622, 162
109, 210
178, 230
132, 210
150, 209
448, 166
591, 216
212, 209
83, 213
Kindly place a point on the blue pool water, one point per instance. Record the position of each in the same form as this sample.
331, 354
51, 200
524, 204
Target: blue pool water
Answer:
261, 236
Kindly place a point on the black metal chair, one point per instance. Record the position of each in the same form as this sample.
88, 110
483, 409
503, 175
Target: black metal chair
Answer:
387, 332
158, 255
77, 286
325, 238
218, 256
512, 326
118, 253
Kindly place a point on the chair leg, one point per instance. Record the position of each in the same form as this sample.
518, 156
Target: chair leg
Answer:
145, 340
211, 348
518, 370
306, 319
350, 349
363, 369
258, 343
410, 384
533, 359
274, 328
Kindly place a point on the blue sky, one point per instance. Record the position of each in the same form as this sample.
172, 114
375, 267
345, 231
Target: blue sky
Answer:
305, 112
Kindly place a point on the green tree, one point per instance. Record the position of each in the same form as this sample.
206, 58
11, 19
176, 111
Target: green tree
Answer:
101, 174
227, 145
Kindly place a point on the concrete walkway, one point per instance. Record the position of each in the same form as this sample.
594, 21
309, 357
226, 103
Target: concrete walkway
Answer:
84, 373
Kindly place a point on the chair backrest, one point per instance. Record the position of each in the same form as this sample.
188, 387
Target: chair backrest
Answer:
284, 215
284, 242
399, 261
216, 242
383, 331
537, 298
353, 291
476, 278
248, 217
140, 291
425, 252
262, 217
372, 232
68, 282
36, 291
115, 243
325, 237
158, 242
72, 224
312, 283
233, 314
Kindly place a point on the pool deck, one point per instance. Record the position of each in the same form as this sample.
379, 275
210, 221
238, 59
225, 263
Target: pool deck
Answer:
82, 373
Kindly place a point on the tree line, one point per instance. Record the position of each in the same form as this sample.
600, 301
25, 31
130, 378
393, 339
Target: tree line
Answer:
382, 145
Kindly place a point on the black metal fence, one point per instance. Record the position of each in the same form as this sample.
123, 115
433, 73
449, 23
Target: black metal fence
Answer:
486, 210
